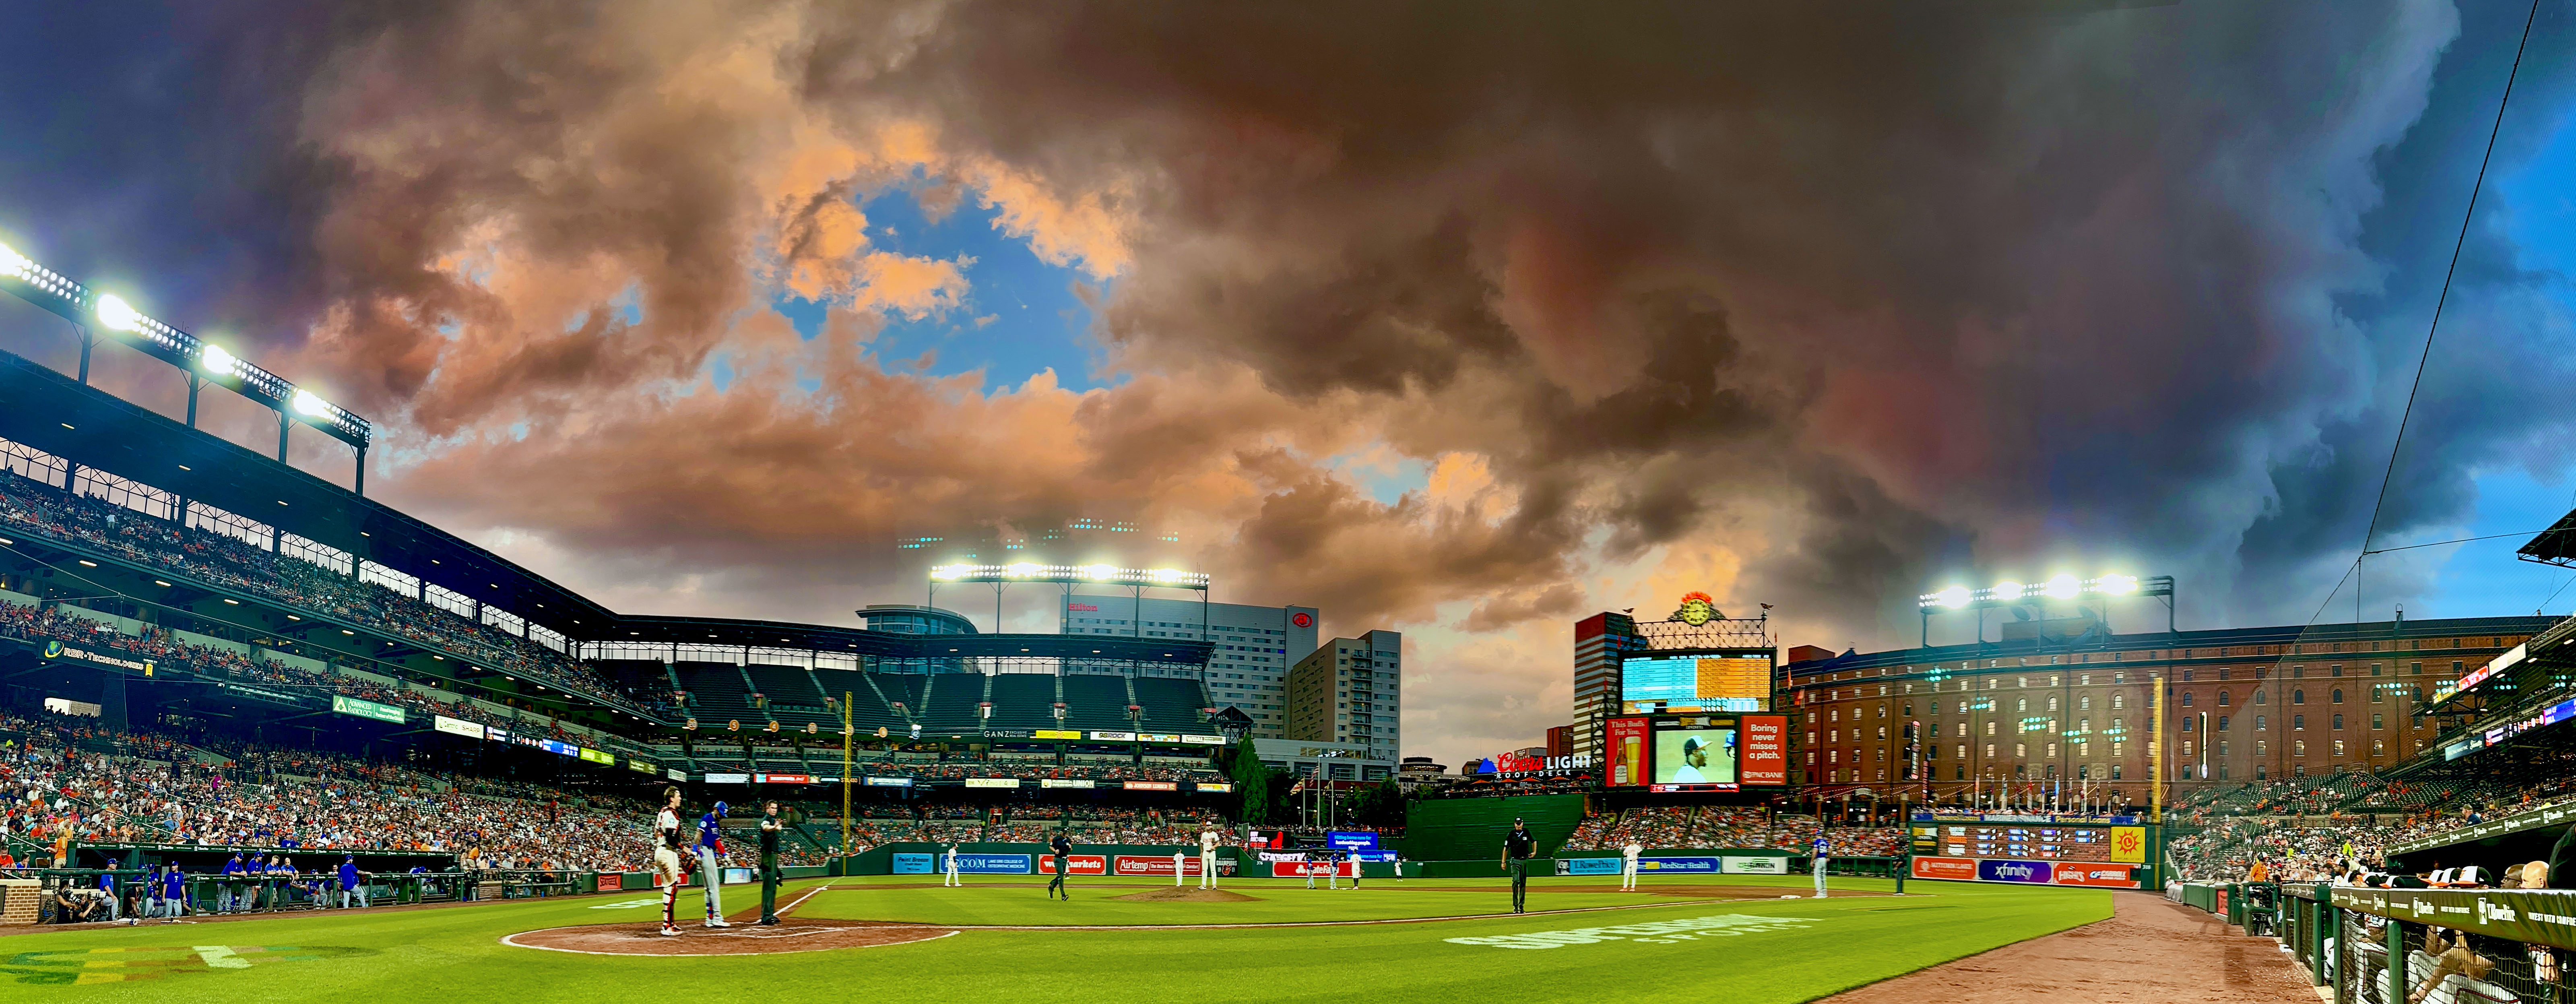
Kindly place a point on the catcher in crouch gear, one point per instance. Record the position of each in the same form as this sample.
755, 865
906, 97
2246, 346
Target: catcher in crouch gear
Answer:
668, 872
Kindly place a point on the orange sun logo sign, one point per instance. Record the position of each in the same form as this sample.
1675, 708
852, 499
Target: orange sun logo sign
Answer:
1697, 609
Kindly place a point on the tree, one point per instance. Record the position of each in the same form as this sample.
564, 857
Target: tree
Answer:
1251, 782
1380, 806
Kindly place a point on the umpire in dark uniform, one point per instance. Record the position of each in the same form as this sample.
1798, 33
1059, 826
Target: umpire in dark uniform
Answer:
1063, 848
769, 828
1517, 847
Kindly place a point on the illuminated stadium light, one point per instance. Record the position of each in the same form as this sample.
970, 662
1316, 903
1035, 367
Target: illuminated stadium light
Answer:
2063, 587
311, 404
1071, 574
114, 312
24, 278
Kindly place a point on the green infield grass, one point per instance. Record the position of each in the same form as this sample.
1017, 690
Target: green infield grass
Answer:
1426, 939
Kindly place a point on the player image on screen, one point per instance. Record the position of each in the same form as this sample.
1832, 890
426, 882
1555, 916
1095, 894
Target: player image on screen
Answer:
1695, 756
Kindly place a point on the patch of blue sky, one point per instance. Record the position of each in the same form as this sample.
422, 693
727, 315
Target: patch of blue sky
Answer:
720, 371
1020, 316
2483, 578
1384, 478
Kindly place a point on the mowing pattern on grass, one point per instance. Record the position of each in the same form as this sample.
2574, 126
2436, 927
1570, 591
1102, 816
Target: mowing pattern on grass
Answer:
152, 962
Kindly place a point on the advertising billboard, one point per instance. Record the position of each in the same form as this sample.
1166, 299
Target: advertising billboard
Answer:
1318, 869
2019, 872
1731, 682
1074, 864
1351, 841
1625, 762
1764, 749
1143, 864
1693, 754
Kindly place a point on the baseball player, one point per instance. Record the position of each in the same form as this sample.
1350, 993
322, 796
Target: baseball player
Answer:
1819, 867
711, 863
1207, 855
1177, 870
1628, 866
952, 866
667, 868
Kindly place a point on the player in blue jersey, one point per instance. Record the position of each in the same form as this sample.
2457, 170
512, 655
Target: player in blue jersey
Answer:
711, 862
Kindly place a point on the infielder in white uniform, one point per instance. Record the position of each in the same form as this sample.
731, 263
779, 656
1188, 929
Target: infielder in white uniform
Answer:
1180, 871
952, 865
1207, 855
1628, 866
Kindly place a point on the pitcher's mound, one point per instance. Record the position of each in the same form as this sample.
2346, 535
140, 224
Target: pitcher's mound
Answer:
1183, 894
741, 939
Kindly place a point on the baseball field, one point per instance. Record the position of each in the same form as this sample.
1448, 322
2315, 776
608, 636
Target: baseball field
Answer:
1725, 938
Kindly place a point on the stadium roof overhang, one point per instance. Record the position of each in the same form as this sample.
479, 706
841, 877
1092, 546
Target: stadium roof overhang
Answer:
2553, 546
891, 645
54, 413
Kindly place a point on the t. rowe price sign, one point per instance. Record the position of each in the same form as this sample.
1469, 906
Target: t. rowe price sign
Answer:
1765, 750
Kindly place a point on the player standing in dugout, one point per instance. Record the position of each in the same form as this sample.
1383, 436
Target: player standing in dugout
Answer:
1063, 849
769, 828
1517, 847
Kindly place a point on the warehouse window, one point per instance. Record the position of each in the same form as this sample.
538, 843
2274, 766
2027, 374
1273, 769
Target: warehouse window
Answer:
2222, 699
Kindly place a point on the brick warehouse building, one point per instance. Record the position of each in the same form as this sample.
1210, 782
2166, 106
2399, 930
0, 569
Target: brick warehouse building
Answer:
2241, 705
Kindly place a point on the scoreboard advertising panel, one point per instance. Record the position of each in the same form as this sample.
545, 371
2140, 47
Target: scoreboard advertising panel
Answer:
2029, 850
1682, 753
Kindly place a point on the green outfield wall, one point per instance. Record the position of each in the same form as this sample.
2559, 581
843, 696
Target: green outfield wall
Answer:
1464, 829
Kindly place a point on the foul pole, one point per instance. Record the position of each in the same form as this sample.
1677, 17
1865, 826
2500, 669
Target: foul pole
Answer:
845, 781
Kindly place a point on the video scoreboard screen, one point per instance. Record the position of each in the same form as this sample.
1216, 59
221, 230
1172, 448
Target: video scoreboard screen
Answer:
1720, 683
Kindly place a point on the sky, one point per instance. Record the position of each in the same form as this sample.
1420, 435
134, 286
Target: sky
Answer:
1460, 320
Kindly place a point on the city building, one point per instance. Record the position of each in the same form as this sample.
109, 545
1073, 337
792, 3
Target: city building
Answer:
1601, 642
1350, 690
2237, 705
1253, 646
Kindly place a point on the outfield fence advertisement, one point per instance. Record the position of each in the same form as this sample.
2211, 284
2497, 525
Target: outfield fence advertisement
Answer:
1302, 869
967, 864
1137, 864
2019, 872
1076, 864
1692, 864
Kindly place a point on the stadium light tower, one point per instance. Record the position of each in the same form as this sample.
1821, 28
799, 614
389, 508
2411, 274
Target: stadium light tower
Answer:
2059, 588
1136, 580
201, 361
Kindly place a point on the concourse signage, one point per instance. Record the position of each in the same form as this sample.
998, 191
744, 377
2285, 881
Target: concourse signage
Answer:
367, 709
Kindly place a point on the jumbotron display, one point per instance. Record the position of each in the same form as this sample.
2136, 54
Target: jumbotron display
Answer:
1728, 683
1674, 753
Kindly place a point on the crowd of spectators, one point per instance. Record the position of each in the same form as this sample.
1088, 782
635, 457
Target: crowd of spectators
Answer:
223, 560
1730, 827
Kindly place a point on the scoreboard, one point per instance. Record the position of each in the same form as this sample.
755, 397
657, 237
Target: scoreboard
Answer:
2014, 840
2101, 851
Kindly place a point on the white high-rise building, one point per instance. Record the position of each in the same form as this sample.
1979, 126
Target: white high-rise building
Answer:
1255, 646
1350, 690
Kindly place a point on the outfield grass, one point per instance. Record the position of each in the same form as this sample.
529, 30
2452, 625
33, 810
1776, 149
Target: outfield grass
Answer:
454, 954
